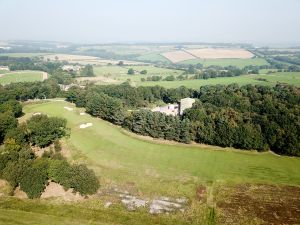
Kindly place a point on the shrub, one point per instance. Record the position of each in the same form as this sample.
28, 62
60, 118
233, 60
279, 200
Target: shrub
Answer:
130, 71
83, 180
143, 72
43, 130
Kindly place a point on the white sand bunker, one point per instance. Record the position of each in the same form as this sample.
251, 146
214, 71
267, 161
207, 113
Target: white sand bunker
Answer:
85, 125
36, 114
82, 113
68, 108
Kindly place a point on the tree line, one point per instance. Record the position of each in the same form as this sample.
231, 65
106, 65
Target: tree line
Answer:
247, 117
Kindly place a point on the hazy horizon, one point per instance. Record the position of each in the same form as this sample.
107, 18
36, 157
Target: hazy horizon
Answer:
133, 21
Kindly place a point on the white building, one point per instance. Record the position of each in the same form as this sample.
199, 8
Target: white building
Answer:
175, 109
170, 109
71, 68
4, 68
185, 103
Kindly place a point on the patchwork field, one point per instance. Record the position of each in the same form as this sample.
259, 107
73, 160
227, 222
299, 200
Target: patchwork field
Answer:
22, 76
211, 53
178, 56
208, 176
191, 55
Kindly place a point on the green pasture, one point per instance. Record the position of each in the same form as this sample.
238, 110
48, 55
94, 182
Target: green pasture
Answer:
240, 63
292, 78
20, 76
153, 57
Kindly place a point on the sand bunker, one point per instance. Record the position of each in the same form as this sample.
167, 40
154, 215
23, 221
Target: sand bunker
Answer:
85, 125
36, 114
56, 190
68, 108
82, 113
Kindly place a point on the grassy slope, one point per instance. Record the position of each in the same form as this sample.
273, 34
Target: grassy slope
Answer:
39, 212
228, 62
272, 79
161, 169
21, 76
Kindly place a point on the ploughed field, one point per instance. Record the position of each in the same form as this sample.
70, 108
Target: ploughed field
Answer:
223, 186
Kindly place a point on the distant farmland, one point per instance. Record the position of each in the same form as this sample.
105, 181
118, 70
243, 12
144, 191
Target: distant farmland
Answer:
260, 79
84, 59
240, 63
218, 53
194, 55
178, 56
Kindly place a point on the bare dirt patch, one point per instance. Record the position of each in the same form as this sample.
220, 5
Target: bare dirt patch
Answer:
201, 193
178, 56
44, 76
265, 204
18, 193
54, 190
4, 188
133, 202
220, 53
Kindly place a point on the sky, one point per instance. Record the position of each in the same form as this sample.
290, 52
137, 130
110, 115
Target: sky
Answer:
98, 21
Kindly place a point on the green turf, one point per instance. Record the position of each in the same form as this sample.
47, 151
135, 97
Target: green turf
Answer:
163, 169
240, 63
153, 57
109, 70
292, 78
21, 76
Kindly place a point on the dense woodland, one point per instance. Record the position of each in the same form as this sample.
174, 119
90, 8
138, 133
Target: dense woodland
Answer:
19, 165
248, 117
